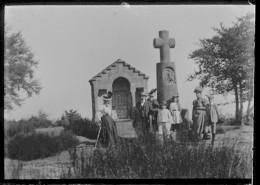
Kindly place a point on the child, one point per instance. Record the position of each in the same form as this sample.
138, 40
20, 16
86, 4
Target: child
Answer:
176, 115
164, 121
213, 116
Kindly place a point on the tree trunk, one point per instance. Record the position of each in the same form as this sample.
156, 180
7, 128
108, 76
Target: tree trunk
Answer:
241, 104
250, 97
248, 110
237, 101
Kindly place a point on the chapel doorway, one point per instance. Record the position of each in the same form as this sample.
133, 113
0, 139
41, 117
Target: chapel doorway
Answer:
122, 98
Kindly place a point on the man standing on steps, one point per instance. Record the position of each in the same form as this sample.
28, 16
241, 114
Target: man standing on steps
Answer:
154, 111
143, 110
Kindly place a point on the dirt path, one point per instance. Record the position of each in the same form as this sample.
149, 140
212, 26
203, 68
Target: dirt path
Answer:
241, 137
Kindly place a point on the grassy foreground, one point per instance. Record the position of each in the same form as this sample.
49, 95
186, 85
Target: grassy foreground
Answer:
148, 159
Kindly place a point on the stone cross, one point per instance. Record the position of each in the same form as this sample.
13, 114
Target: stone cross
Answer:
164, 43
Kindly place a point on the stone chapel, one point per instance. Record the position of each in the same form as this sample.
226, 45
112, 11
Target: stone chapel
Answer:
124, 81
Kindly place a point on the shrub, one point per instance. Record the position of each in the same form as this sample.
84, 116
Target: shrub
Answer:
33, 146
84, 127
72, 115
71, 120
226, 119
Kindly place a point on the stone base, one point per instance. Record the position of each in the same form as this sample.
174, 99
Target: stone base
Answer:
125, 128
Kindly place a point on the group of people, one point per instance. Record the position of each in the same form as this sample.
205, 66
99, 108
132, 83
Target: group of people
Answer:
205, 116
163, 118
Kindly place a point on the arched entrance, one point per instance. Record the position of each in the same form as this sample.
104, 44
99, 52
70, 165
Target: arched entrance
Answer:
122, 99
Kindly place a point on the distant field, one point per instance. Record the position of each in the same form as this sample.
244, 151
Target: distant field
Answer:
51, 131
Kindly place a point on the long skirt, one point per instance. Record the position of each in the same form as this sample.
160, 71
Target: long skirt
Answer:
176, 116
109, 131
199, 124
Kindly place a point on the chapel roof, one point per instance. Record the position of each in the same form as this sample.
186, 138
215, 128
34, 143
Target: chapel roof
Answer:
114, 64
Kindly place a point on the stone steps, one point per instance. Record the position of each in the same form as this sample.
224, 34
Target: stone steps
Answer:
125, 128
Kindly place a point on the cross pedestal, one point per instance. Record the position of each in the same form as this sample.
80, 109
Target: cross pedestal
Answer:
165, 70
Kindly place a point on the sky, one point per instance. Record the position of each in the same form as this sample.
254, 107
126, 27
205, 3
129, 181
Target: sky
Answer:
74, 43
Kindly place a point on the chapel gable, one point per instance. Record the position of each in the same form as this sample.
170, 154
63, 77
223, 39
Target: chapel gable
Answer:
124, 81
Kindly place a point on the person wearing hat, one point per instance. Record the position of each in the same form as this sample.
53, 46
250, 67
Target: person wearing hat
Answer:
142, 112
109, 130
175, 109
164, 121
154, 111
213, 115
199, 115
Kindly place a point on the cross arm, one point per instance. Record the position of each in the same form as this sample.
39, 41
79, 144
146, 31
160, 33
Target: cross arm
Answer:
158, 43
171, 43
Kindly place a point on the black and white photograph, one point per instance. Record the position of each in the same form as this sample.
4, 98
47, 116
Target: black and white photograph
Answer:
129, 91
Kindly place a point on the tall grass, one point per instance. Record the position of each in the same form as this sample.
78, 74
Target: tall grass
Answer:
146, 158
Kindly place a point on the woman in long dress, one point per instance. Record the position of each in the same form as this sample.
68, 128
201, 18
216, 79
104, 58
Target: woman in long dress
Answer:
109, 130
199, 115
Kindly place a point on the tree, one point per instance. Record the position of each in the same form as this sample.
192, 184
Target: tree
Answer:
19, 67
226, 62
71, 119
71, 116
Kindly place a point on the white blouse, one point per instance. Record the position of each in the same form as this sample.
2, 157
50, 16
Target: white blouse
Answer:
103, 110
106, 109
174, 106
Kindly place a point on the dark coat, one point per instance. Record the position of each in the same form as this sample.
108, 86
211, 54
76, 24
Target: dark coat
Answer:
147, 108
137, 113
154, 108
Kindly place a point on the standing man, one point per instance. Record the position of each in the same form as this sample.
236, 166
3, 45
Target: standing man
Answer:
154, 111
213, 114
199, 114
143, 110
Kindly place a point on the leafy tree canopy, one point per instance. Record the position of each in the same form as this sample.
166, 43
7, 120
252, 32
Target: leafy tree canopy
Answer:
227, 57
226, 61
19, 68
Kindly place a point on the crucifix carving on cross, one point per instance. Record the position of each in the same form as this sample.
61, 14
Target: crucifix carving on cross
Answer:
164, 43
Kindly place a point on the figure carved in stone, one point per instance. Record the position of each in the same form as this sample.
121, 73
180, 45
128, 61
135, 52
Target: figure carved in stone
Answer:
170, 76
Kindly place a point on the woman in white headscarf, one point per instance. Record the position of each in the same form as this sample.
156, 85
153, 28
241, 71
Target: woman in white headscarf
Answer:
109, 130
